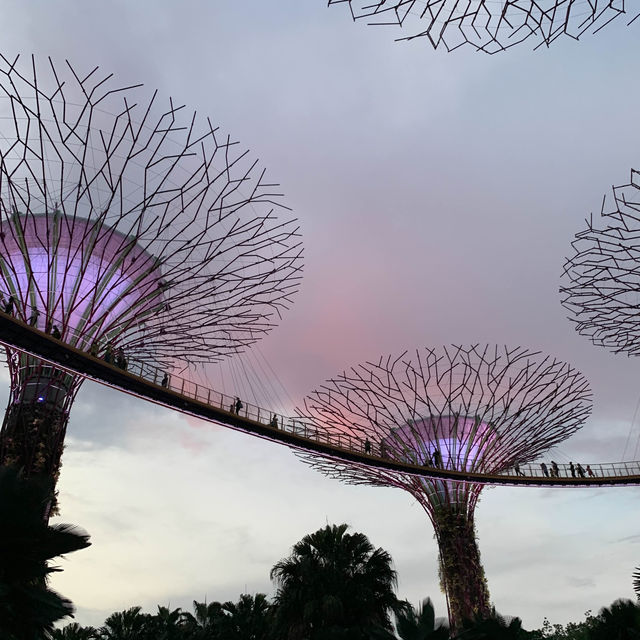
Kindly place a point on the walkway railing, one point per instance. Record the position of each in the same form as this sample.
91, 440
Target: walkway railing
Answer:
272, 425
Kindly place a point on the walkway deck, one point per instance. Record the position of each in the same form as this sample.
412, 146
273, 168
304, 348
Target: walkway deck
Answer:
187, 397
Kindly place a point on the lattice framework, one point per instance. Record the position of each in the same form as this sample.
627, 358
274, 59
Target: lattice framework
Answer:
128, 227
483, 408
601, 287
491, 26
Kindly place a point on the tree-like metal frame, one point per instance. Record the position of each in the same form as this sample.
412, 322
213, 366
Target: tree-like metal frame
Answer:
488, 26
601, 287
485, 408
130, 228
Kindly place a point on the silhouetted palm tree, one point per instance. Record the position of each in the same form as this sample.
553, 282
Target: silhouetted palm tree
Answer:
621, 621
636, 582
205, 622
495, 627
421, 624
248, 619
126, 625
74, 631
334, 585
167, 625
28, 608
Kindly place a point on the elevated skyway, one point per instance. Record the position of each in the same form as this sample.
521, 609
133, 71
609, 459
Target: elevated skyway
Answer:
183, 395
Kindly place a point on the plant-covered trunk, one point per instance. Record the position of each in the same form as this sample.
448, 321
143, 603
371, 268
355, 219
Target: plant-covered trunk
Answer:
461, 572
35, 422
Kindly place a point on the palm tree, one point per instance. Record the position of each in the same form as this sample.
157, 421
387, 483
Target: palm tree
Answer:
494, 627
28, 608
334, 585
421, 624
621, 621
74, 631
636, 582
127, 625
248, 619
205, 624
167, 624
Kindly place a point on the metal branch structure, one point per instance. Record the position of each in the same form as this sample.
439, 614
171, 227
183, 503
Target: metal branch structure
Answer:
129, 227
602, 290
477, 408
490, 26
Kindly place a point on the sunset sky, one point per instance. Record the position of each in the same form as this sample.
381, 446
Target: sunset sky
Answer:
438, 195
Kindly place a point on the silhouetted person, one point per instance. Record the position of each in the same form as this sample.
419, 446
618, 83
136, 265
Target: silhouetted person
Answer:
8, 308
383, 449
33, 319
555, 470
367, 446
108, 354
94, 349
437, 458
517, 469
274, 421
580, 470
55, 332
572, 469
545, 471
237, 406
590, 471
165, 380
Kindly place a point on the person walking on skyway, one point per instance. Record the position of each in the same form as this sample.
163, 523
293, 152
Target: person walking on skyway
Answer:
8, 308
237, 406
33, 320
555, 471
545, 471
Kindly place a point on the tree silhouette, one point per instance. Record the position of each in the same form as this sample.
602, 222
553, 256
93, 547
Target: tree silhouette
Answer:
334, 585
421, 624
620, 621
28, 607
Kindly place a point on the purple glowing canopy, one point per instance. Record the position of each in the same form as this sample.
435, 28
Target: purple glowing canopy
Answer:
483, 407
126, 217
90, 281
449, 441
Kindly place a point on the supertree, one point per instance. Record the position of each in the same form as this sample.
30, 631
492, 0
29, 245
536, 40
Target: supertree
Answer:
478, 409
602, 290
129, 228
488, 26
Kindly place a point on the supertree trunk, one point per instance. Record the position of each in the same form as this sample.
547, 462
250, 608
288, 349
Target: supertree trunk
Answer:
35, 423
461, 572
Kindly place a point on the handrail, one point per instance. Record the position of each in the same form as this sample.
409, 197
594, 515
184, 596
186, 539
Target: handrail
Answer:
147, 381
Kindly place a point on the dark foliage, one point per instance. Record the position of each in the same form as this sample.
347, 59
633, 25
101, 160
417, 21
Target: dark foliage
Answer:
28, 608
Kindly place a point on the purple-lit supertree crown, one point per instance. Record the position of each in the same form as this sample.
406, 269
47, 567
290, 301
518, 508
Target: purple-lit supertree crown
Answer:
480, 409
485, 25
127, 226
602, 290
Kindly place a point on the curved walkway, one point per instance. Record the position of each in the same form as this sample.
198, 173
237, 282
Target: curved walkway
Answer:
181, 394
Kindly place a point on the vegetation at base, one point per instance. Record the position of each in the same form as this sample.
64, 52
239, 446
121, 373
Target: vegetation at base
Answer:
333, 586
28, 607
254, 618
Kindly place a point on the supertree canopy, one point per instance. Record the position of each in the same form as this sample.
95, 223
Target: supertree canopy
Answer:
478, 409
130, 228
489, 26
602, 277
